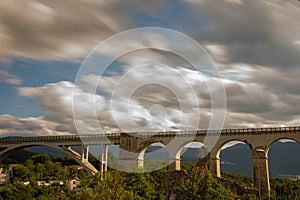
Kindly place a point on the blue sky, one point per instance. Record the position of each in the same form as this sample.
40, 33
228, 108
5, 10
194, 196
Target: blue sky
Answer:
256, 46
33, 73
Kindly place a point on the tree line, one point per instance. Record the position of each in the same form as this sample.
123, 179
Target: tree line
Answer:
115, 184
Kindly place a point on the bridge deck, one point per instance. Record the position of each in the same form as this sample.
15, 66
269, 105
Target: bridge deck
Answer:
116, 136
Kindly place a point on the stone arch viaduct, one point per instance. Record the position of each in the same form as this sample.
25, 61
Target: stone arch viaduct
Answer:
133, 146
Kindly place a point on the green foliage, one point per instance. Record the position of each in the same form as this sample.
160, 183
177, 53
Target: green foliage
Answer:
151, 165
40, 158
121, 185
197, 187
32, 191
243, 180
65, 160
42, 168
285, 189
126, 186
111, 187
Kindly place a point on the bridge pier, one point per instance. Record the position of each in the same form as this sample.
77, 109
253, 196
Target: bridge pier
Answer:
211, 161
261, 173
84, 152
214, 165
128, 155
174, 164
82, 158
103, 158
140, 163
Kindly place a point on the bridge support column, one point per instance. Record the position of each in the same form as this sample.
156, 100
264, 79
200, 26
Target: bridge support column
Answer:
174, 164
80, 158
87, 152
261, 173
140, 163
84, 152
128, 155
214, 166
103, 157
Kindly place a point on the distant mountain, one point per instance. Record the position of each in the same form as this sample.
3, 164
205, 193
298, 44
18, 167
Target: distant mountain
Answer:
283, 159
237, 159
18, 157
22, 155
46, 150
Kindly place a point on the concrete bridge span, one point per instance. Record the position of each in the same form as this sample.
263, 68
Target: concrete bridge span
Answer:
63, 143
259, 141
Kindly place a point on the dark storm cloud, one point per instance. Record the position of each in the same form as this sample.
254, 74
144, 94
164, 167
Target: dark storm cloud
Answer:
253, 32
278, 81
64, 29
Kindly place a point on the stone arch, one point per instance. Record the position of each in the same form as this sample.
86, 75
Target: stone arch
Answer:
9, 150
179, 151
219, 148
201, 152
176, 155
280, 163
277, 139
215, 164
143, 149
89, 168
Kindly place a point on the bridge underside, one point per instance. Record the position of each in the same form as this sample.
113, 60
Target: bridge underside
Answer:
80, 158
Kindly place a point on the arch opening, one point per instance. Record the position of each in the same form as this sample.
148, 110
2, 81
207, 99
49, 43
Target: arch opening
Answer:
42, 149
191, 152
20, 154
154, 156
236, 158
283, 159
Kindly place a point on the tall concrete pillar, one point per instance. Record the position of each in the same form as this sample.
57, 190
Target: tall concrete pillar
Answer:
261, 173
128, 151
214, 166
103, 157
174, 164
140, 163
87, 152
82, 153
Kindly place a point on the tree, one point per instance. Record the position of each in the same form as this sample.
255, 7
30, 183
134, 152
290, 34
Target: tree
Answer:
21, 173
40, 158
196, 187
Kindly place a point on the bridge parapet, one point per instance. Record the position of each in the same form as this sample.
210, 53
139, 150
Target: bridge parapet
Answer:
60, 138
116, 136
212, 132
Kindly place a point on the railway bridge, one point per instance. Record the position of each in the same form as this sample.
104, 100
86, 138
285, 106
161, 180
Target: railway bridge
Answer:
133, 147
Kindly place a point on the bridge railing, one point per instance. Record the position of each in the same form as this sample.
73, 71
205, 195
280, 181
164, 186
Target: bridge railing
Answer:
116, 136
223, 131
59, 138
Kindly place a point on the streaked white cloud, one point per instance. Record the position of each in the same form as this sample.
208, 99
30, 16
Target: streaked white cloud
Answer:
7, 77
52, 30
30, 126
253, 32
